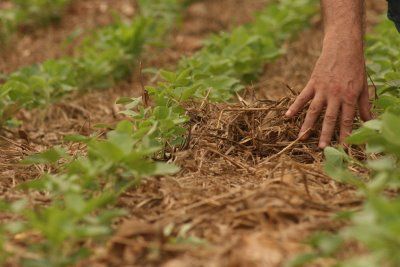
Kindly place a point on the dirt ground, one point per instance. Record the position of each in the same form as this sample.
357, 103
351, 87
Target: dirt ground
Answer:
78, 113
249, 192
35, 45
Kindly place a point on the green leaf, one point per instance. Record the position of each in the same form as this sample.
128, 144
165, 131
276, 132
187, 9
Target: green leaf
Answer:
335, 157
124, 100
382, 164
162, 168
75, 203
373, 125
15, 227
168, 76
19, 205
302, 260
77, 138
361, 136
107, 150
50, 156
390, 128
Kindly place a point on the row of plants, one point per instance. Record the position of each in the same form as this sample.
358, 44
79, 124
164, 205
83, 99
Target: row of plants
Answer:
105, 57
29, 14
83, 189
374, 234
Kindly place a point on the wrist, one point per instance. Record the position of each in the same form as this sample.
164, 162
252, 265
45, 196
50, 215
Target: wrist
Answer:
347, 34
346, 44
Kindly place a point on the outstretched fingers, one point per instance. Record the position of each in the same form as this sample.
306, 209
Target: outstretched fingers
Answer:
334, 107
313, 113
305, 96
329, 124
347, 121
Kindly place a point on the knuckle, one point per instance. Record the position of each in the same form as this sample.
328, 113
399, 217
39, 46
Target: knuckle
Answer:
312, 82
314, 109
330, 118
319, 86
350, 97
347, 122
336, 90
301, 99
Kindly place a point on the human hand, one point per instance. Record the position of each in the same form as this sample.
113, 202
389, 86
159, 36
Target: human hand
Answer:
339, 83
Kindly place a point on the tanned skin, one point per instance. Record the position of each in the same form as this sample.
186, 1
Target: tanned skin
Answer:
339, 81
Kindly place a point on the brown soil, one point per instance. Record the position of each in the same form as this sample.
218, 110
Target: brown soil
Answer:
79, 113
36, 45
248, 187
82, 17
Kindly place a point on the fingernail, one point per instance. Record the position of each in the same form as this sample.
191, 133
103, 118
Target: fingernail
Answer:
323, 145
288, 113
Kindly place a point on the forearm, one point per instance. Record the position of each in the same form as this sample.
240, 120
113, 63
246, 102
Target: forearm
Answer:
338, 82
344, 22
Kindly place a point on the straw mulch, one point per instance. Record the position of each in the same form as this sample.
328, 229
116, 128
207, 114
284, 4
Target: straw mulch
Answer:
249, 188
